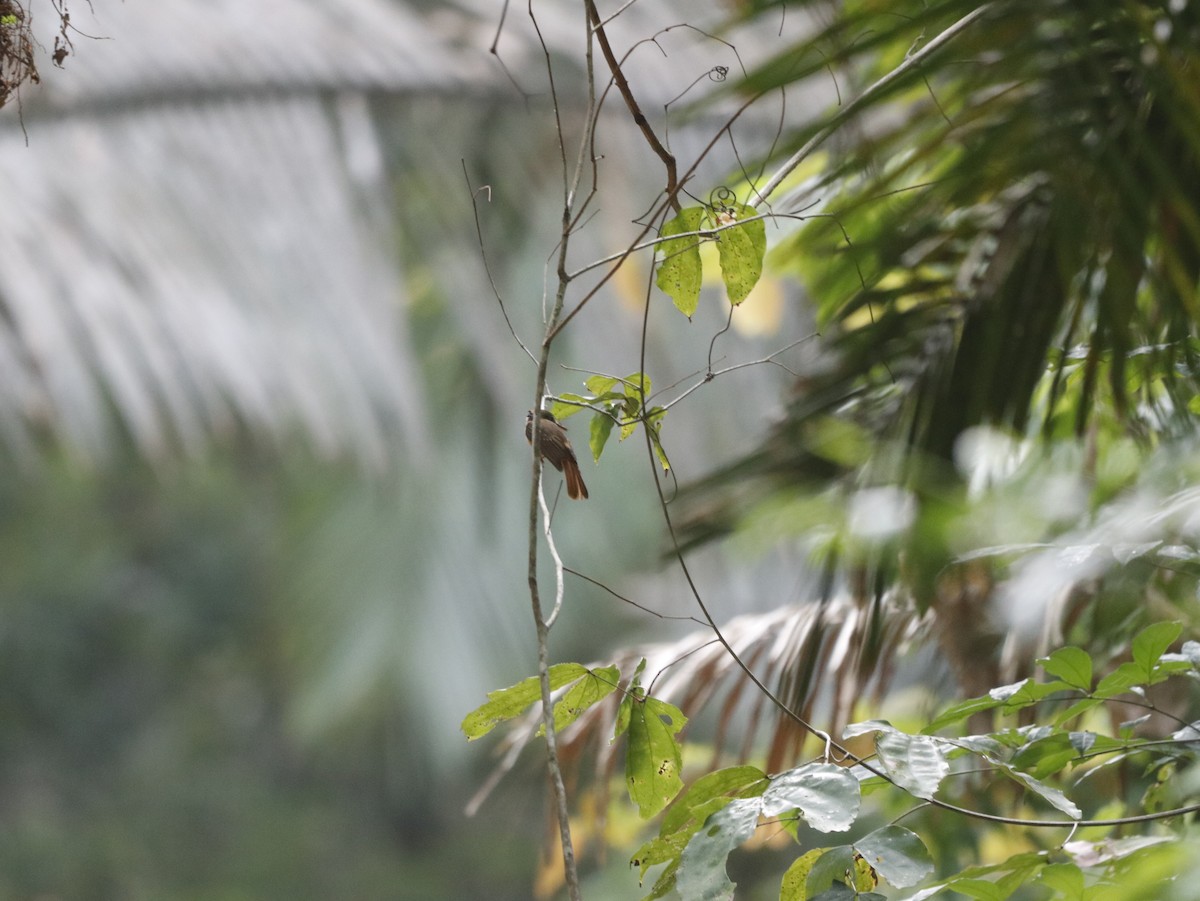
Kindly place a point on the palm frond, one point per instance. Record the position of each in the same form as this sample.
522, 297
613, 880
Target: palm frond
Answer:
851, 648
1009, 236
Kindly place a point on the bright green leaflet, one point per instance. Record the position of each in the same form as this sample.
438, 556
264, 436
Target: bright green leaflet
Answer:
1072, 665
653, 757
594, 686
506, 703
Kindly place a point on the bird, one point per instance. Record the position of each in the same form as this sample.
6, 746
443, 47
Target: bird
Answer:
557, 451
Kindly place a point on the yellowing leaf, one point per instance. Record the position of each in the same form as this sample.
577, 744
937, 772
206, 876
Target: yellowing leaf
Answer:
679, 269
741, 250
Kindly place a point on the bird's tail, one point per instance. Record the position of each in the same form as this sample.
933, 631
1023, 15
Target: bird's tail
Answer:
575, 487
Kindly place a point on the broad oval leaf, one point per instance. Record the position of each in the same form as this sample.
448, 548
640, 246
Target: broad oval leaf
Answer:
915, 762
701, 875
897, 854
1151, 643
1072, 665
827, 796
794, 886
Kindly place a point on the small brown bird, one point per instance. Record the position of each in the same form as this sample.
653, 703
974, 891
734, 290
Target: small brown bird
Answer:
557, 451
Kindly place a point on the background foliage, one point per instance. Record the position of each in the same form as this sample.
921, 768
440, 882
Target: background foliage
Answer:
249, 590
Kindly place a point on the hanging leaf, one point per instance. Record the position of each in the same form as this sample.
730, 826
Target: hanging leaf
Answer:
653, 757
1052, 795
896, 854
679, 268
601, 428
741, 250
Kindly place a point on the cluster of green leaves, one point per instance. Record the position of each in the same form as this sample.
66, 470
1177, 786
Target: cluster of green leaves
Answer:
741, 239
616, 403
653, 757
1044, 760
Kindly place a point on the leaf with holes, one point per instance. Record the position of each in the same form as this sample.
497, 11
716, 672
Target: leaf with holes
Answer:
653, 758
741, 249
596, 685
679, 268
506, 703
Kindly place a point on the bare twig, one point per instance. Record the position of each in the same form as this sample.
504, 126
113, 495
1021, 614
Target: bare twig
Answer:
639, 117
483, 256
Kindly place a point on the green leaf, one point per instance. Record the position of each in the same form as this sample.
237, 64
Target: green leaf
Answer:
1064, 879
741, 250
1072, 665
827, 796
956, 713
795, 879
1121, 680
659, 451
701, 875
1025, 693
830, 871
689, 813
897, 855
562, 408
594, 686
980, 889
637, 384
679, 269
601, 384
1018, 869
1052, 795
1090, 854
1151, 643
1047, 755
915, 762
1079, 708
634, 693
740, 781
665, 882
602, 427
506, 703
653, 758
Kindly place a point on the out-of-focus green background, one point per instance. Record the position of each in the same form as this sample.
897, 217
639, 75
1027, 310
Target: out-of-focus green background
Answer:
262, 472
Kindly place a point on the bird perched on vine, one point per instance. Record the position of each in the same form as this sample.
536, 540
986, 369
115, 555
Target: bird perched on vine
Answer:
557, 451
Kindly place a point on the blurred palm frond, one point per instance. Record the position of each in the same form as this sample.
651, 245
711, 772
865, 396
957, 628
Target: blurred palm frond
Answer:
848, 645
1011, 233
